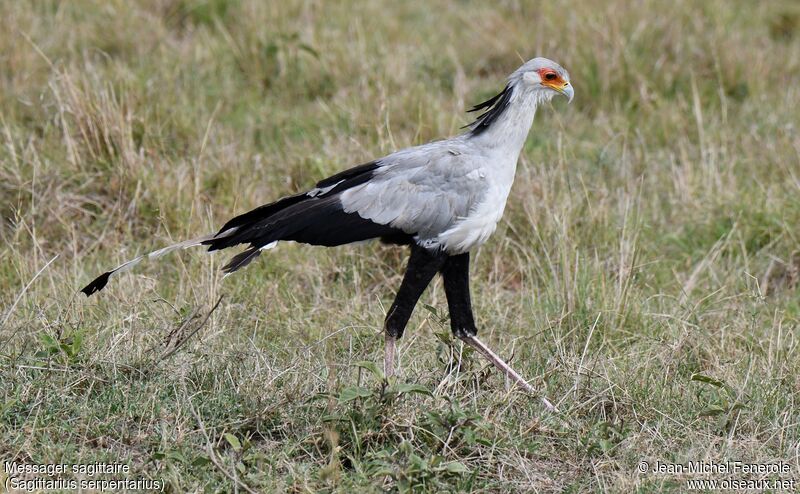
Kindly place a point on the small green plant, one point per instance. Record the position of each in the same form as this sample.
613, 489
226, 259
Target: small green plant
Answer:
463, 430
418, 452
411, 472
603, 437
66, 349
360, 412
722, 400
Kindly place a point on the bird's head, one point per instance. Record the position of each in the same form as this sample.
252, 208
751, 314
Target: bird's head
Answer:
544, 77
536, 81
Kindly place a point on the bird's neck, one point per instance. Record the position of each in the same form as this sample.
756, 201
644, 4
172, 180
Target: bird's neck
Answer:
507, 133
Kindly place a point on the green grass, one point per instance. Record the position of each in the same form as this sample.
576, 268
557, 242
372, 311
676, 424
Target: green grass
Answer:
644, 275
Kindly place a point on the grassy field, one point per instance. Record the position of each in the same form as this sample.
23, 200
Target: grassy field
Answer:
645, 274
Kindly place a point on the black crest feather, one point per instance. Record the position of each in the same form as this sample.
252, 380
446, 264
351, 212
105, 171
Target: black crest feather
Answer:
495, 106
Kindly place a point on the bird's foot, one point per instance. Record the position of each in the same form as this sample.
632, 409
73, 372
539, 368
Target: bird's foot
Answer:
506, 369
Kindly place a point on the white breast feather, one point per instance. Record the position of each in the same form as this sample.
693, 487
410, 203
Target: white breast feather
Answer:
476, 228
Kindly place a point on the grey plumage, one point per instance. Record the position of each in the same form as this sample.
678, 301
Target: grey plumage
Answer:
450, 194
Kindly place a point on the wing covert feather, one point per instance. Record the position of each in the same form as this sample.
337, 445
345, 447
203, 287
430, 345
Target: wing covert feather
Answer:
422, 192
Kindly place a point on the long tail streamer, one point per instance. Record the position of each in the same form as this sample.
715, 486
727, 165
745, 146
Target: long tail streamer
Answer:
100, 282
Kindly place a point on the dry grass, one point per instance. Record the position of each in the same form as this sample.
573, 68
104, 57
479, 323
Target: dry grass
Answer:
651, 237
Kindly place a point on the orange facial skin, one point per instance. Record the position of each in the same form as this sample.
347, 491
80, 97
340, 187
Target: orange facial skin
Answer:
551, 79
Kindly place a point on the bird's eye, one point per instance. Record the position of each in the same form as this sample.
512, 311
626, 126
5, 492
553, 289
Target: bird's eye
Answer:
550, 76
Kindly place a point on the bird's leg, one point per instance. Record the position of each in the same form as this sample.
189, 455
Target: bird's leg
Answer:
498, 362
390, 343
422, 267
455, 272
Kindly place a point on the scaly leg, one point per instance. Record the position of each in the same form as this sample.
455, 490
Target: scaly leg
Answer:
506, 369
422, 267
390, 343
455, 272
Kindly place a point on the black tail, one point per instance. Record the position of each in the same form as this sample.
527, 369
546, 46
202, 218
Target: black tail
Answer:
312, 220
315, 218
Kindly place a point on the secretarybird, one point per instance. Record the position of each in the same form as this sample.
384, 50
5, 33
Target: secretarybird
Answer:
443, 199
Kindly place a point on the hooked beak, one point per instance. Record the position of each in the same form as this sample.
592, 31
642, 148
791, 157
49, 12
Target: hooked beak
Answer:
567, 91
561, 87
